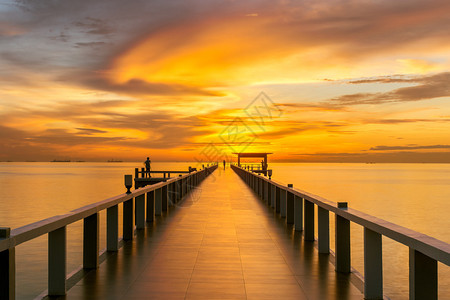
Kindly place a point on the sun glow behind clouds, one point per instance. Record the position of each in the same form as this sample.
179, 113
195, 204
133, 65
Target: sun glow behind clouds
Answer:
220, 52
328, 64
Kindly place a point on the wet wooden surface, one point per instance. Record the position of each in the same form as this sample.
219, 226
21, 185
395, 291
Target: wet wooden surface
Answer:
221, 242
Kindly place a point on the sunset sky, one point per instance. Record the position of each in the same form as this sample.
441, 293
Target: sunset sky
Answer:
186, 80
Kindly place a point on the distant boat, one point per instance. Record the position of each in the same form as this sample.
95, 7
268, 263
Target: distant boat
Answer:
113, 160
60, 160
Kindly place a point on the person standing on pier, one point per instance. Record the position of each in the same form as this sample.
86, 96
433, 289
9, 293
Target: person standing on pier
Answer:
147, 167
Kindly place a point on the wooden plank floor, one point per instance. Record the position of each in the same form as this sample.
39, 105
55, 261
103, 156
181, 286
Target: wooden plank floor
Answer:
221, 242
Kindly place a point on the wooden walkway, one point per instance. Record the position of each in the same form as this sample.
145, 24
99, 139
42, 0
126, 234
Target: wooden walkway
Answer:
221, 242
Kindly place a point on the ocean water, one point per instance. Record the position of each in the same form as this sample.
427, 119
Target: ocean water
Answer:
412, 195
416, 196
34, 191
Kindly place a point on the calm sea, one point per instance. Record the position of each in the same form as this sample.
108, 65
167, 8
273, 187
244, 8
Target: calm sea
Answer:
412, 195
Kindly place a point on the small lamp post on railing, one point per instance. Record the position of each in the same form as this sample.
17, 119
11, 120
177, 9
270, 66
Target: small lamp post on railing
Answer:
128, 183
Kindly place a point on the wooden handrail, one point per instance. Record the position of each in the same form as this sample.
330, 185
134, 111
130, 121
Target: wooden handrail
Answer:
424, 249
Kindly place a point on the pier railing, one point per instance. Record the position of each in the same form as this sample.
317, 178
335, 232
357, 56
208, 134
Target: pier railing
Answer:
135, 216
298, 208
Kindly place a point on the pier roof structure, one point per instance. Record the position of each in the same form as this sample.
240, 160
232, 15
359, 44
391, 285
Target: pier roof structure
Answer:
252, 154
220, 242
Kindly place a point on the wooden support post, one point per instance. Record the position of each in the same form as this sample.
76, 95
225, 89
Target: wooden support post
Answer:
269, 193
150, 206
342, 232
158, 202
112, 228
273, 195
289, 206
57, 262
170, 195
266, 192
261, 188
7, 268
283, 203
323, 229
298, 213
128, 220
178, 194
277, 200
91, 241
423, 276
165, 203
309, 220
140, 211
183, 187
373, 265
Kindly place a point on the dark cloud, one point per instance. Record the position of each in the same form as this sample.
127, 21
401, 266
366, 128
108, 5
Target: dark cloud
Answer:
321, 106
95, 26
415, 147
428, 87
89, 131
91, 44
402, 121
382, 157
64, 138
386, 79
141, 87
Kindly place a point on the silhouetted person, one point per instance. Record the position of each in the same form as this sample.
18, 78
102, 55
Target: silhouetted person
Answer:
224, 164
147, 167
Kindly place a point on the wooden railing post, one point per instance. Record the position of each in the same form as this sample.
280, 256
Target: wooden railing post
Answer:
170, 201
7, 268
150, 206
298, 213
158, 202
309, 220
323, 229
277, 199
266, 192
283, 203
273, 194
91, 241
423, 276
183, 187
140, 211
178, 193
128, 220
290, 206
165, 203
112, 228
57, 266
342, 232
373, 265
260, 188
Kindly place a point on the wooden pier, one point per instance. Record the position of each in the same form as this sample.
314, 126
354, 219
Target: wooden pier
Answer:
220, 242
212, 235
